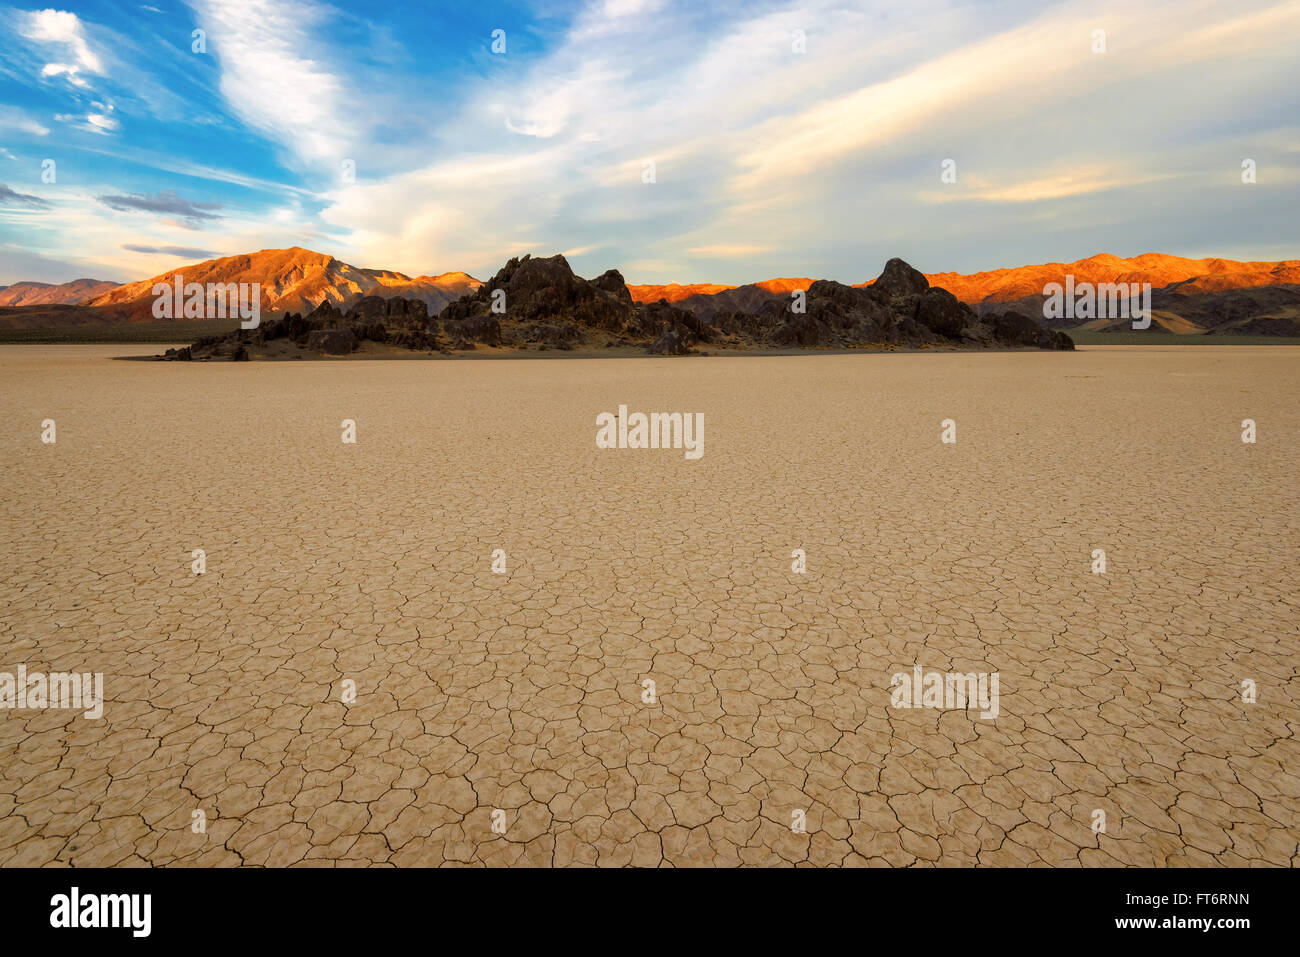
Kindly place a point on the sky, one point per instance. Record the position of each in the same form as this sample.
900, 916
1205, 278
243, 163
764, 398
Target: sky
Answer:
787, 139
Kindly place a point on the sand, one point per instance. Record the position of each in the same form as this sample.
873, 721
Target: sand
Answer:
523, 692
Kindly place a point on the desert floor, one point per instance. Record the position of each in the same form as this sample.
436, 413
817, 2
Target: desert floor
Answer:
329, 563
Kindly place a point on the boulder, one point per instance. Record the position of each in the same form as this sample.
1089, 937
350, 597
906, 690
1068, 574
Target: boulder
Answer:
900, 279
671, 343
483, 329
332, 342
801, 329
941, 312
611, 281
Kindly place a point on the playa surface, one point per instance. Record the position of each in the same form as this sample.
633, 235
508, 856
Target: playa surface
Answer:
523, 692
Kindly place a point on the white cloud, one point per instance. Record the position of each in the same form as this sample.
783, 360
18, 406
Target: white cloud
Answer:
269, 80
783, 162
768, 162
64, 69
65, 30
1057, 185
12, 118
101, 122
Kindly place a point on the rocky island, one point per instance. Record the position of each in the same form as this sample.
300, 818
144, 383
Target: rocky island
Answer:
539, 304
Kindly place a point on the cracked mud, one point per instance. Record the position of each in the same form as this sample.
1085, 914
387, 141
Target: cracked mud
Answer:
1120, 692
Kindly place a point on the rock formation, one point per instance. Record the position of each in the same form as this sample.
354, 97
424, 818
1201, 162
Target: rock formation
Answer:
540, 304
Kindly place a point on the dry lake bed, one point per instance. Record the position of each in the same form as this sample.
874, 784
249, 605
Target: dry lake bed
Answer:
646, 678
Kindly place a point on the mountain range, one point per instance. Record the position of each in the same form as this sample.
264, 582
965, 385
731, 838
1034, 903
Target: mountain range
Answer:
1190, 296
541, 304
297, 279
48, 294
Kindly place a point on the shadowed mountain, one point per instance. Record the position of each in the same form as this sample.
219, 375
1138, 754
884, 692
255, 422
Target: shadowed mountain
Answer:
537, 304
754, 294
747, 298
1188, 296
1262, 311
1195, 275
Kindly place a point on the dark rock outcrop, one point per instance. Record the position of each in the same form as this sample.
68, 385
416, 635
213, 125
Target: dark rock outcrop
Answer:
941, 313
671, 343
611, 281
1014, 329
484, 329
332, 342
546, 290
540, 303
900, 279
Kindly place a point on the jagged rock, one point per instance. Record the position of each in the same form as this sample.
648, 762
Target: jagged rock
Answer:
671, 343
754, 325
292, 326
1012, 328
483, 329
547, 305
240, 354
912, 333
654, 319
325, 313
801, 329
375, 331
611, 281
941, 312
333, 342
900, 279
406, 313
418, 340
563, 335
835, 315
547, 290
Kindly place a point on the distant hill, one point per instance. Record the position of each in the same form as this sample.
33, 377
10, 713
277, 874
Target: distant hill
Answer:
550, 307
434, 291
1189, 296
674, 292
294, 279
49, 294
1193, 275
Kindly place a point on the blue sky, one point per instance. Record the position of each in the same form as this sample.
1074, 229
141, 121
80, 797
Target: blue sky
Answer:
769, 160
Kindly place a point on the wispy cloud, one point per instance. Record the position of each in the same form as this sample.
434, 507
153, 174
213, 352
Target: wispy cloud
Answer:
12, 118
269, 79
185, 252
816, 158
166, 202
64, 31
8, 197
815, 152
